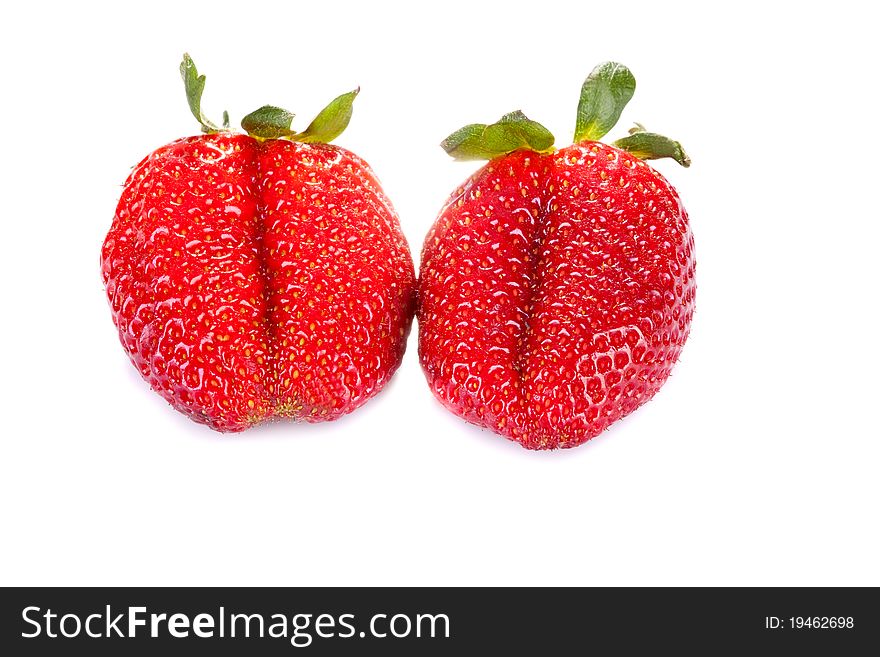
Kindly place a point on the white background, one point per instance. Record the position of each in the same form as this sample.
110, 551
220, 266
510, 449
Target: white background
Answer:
756, 464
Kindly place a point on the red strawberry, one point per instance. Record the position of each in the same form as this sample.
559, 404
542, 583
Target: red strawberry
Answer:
556, 287
261, 276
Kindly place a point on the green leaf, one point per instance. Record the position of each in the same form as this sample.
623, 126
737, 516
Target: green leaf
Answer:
511, 132
467, 143
605, 93
651, 146
331, 120
195, 85
268, 122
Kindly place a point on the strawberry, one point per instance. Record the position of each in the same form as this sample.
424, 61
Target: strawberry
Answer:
261, 275
556, 287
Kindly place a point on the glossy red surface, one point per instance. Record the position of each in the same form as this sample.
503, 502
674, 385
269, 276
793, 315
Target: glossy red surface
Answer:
252, 280
556, 292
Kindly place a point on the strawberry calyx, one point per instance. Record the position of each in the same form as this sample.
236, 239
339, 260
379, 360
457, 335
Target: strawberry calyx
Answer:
269, 121
604, 95
513, 131
651, 146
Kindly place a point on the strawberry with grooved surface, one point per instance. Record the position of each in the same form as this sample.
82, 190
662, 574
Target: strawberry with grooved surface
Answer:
260, 275
556, 287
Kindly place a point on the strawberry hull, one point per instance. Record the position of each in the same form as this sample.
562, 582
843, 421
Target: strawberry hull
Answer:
556, 292
256, 279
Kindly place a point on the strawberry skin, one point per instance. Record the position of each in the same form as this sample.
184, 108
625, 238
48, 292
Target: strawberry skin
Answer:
555, 294
254, 279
